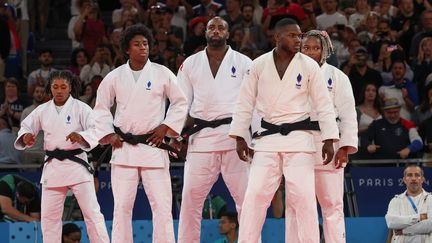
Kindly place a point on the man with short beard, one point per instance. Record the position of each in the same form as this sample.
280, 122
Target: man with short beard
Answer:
36, 153
40, 75
409, 213
393, 137
211, 80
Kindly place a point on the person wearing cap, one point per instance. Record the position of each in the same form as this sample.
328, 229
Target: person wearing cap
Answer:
393, 137
329, 178
409, 214
211, 80
359, 72
196, 41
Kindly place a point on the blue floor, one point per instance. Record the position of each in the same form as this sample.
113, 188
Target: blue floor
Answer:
358, 230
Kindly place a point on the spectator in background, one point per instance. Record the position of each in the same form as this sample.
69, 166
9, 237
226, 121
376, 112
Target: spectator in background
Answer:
101, 64
43, 13
19, 199
119, 58
90, 29
5, 40
71, 233
208, 9
393, 137
8, 155
406, 23
385, 9
228, 226
196, 41
12, 105
424, 111
131, 6
22, 28
369, 35
345, 43
330, 16
84, 7
182, 11
396, 54
254, 37
35, 154
362, 9
368, 110
360, 73
426, 23
422, 65
79, 59
41, 74
233, 14
174, 34
409, 214
401, 89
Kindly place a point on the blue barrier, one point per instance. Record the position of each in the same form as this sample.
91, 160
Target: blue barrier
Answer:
358, 230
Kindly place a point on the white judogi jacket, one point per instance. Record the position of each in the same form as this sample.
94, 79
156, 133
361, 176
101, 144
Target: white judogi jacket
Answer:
284, 101
140, 109
212, 98
342, 97
75, 116
401, 215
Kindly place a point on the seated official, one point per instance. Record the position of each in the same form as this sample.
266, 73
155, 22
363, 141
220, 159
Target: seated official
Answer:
19, 200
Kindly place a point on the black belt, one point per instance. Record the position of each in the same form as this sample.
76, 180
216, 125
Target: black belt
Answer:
200, 124
136, 139
315, 125
70, 155
284, 128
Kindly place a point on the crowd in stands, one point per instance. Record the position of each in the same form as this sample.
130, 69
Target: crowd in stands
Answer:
384, 46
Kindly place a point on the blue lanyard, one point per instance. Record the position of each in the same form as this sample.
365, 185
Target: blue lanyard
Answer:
412, 203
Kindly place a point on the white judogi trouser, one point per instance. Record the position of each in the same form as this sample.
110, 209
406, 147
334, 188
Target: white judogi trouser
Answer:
301, 217
201, 171
52, 210
157, 185
329, 189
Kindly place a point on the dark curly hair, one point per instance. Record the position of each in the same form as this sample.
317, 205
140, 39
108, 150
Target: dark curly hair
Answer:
131, 32
69, 78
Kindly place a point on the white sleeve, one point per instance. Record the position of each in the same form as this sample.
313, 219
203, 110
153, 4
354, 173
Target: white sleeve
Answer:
242, 115
345, 105
322, 104
31, 124
102, 111
396, 221
177, 111
88, 125
422, 227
